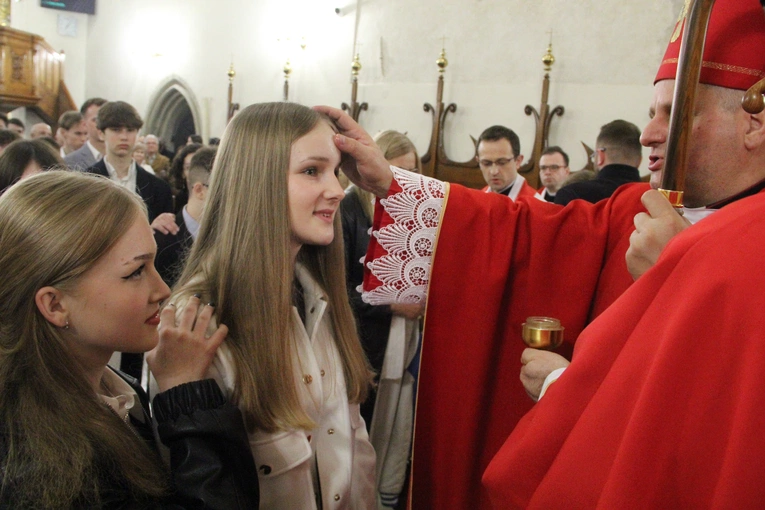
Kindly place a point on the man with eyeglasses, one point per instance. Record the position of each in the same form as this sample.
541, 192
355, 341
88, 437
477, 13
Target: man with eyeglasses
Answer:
498, 153
617, 155
553, 172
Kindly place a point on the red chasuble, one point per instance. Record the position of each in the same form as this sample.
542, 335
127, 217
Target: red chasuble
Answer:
663, 405
526, 191
496, 263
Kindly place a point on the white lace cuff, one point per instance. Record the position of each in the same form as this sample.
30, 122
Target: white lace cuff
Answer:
551, 378
408, 241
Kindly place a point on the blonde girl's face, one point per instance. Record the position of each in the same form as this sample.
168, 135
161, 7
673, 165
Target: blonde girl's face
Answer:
313, 188
115, 304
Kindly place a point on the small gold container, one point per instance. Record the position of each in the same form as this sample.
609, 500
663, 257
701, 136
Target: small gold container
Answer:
542, 332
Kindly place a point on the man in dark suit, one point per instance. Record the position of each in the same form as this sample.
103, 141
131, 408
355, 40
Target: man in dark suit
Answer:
172, 248
93, 150
617, 155
118, 123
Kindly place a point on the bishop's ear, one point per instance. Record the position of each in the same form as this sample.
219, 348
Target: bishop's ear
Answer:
49, 302
754, 137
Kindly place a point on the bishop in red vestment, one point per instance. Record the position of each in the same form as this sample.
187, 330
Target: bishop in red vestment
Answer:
490, 263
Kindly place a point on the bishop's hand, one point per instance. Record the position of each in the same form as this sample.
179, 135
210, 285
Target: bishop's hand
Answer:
653, 230
363, 162
537, 365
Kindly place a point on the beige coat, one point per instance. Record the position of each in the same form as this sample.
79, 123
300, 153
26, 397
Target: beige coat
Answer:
338, 448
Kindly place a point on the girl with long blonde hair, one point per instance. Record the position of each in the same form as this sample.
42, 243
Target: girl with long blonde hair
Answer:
80, 284
270, 255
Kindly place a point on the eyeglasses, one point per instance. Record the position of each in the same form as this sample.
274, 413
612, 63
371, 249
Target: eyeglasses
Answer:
595, 153
552, 168
501, 163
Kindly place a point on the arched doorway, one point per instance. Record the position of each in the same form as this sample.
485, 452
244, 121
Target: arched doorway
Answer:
173, 114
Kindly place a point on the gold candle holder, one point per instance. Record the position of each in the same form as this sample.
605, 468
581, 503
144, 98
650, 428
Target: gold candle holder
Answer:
542, 332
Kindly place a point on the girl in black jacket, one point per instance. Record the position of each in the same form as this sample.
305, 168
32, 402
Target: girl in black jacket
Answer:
80, 284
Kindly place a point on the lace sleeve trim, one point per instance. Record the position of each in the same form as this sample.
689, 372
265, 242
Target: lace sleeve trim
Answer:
409, 241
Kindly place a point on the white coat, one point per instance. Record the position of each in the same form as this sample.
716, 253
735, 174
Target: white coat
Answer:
393, 417
338, 448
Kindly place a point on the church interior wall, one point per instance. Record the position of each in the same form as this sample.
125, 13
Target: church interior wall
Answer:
606, 56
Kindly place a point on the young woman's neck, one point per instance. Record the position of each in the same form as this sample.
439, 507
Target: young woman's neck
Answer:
93, 365
94, 376
295, 247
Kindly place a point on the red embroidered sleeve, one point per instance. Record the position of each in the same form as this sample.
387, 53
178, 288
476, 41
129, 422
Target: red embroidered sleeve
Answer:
398, 261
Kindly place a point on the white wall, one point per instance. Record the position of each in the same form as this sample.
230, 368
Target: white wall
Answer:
606, 56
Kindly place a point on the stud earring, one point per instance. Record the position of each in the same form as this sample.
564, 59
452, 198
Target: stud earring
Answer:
66, 326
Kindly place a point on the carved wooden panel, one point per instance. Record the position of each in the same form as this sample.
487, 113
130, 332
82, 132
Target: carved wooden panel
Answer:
435, 162
17, 50
31, 75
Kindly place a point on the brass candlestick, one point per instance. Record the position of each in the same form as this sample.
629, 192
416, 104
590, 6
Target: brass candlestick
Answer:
442, 63
232, 106
5, 13
287, 72
355, 108
542, 118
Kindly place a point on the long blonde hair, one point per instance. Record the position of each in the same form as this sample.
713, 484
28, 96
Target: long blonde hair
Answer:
61, 441
242, 261
393, 144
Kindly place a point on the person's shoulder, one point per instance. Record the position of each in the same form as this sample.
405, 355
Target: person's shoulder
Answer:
725, 248
78, 158
99, 168
77, 153
573, 191
526, 189
145, 176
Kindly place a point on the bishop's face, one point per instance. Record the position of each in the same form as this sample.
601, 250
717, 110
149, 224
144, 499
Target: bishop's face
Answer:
717, 143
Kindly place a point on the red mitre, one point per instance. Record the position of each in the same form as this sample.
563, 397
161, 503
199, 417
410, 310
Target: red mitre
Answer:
734, 53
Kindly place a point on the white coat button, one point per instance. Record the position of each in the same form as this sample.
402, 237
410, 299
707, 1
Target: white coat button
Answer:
337, 497
322, 373
331, 431
307, 379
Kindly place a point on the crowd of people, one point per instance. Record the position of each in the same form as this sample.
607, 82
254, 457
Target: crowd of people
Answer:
228, 327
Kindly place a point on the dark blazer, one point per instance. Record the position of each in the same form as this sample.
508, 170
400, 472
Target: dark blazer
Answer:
172, 250
373, 321
154, 191
601, 187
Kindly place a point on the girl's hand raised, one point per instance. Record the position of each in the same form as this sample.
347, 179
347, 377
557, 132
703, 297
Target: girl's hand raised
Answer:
184, 352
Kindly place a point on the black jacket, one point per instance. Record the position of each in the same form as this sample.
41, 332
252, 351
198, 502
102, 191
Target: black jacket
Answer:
154, 191
601, 187
373, 321
172, 251
210, 459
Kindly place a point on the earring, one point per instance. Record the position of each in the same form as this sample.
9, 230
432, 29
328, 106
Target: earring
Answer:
66, 326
